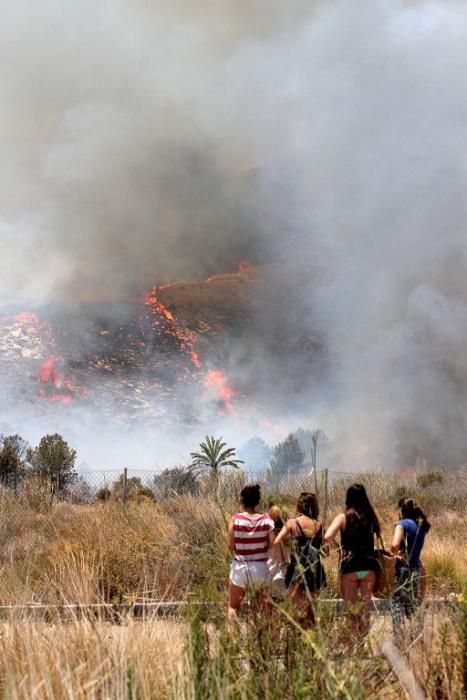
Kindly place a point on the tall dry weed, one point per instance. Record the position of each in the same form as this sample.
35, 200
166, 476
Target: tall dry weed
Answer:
88, 660
104, 552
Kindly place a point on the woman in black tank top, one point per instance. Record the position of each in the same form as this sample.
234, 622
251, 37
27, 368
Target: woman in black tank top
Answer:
357, 544
305, 575
358, 563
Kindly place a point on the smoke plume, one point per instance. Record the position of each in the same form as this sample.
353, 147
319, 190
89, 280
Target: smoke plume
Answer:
143, 143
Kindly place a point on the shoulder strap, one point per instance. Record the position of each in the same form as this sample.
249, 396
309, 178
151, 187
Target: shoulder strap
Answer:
299, 528
409, 554
302, 533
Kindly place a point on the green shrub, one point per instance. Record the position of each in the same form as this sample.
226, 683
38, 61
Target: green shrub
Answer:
429, 478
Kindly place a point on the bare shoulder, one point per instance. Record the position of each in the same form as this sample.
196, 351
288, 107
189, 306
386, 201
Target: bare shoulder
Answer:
339, 521
341, 517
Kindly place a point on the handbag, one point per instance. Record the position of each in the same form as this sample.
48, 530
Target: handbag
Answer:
386, 574
277, 576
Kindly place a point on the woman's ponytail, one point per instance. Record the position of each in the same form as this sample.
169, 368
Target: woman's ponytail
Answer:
412, 511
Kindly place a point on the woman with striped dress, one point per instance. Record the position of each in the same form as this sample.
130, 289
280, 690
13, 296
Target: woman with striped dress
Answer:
251, 536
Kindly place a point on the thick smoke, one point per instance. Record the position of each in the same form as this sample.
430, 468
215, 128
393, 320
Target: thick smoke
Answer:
142, 144
118, 171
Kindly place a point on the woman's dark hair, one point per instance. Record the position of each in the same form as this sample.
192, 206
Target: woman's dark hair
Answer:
409, 509
250, 496
357, 501
307, 504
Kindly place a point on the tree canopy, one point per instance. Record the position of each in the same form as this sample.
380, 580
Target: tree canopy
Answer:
13, 450
287, 455
135, 488
53, 461
178, 480
212, 457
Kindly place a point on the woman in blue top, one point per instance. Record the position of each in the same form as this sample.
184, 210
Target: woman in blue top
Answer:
407, 544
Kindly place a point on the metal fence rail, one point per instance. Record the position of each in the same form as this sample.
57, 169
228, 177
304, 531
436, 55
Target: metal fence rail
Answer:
163, 608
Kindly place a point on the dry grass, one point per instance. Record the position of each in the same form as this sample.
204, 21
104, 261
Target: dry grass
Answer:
445, 553
436, 647
104, 553
88, 660
288, 663
99, 553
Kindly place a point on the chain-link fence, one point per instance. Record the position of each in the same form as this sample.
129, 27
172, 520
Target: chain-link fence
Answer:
446, 488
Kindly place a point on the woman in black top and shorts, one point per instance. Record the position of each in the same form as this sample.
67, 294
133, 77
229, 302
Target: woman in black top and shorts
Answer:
358, 564
305, 575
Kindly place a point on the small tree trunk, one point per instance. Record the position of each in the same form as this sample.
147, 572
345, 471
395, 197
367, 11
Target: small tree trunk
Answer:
325, 513
217, 486
125, 487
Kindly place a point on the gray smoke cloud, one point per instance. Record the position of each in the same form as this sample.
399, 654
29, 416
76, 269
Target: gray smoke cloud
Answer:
116, 174
143, 143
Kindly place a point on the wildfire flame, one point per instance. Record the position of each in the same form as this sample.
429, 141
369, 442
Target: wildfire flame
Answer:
49, 373
150, 299
185, 336
216, 379
195, 359
28, 318
57, 385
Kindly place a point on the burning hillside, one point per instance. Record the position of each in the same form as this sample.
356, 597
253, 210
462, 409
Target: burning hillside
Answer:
162, 356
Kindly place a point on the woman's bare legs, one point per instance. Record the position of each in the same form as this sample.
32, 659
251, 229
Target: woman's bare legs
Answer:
301, 600
357, 594
236, 595
366, 586
349, 592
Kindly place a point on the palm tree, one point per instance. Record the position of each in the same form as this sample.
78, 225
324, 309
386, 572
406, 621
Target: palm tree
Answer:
213, 456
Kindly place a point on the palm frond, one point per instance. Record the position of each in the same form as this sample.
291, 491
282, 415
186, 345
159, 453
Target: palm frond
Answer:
213, 455
232, 464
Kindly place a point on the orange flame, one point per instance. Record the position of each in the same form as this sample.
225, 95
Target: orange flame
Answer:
49, 373
28, 317
217, 380
61, 398
150, 299
195, 359
186, 337
57, 385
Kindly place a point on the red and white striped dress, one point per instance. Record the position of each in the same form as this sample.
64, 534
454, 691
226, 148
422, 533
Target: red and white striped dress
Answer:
251, 537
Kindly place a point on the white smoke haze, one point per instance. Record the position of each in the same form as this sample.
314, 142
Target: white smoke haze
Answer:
143, 143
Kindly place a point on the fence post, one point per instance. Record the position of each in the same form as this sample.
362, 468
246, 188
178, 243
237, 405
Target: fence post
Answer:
125, 486
403, 671
325, 509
